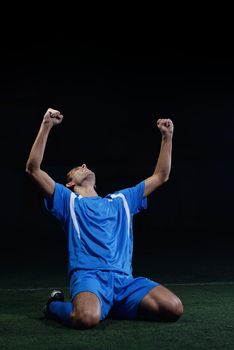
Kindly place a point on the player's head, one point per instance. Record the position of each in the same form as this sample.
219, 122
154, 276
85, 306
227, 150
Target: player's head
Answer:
80, 176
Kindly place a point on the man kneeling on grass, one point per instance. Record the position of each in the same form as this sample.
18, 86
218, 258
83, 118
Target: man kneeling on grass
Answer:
100, 241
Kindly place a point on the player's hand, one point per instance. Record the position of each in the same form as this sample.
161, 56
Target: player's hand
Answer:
165, 126
52, 117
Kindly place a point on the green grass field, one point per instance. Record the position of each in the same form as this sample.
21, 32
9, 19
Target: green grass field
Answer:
207, 323
205, 287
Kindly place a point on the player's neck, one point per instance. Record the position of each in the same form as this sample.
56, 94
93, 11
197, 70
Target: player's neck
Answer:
86, 191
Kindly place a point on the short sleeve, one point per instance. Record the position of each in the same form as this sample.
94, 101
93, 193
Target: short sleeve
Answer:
58, 205
135, 197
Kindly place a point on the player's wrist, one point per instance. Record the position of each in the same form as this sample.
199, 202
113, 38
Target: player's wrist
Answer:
47, 124
167, 137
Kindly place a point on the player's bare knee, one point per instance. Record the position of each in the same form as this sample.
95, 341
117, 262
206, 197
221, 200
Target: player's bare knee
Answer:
177, 309
85, 319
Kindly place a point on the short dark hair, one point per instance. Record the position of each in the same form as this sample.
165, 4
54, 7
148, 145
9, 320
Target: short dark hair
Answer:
69, 176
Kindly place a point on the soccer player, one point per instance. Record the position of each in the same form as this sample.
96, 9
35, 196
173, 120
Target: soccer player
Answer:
100, 240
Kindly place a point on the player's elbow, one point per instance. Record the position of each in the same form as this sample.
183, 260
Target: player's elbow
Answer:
27, 170
30, 169
162, 178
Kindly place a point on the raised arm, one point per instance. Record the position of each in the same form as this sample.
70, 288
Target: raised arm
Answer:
33, 167
163, 166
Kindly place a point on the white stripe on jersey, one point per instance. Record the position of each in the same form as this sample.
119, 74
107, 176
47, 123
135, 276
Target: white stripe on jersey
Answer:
73, 215
126, 207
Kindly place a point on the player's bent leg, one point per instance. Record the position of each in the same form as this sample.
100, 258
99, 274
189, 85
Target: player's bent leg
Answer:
86, 311
160, 304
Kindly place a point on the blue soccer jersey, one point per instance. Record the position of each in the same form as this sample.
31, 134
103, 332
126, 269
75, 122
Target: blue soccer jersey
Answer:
98, 229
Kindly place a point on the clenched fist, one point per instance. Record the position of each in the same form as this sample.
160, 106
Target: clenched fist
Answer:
52, 117
165, 126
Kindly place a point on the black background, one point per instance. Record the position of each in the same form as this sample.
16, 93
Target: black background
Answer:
111, 90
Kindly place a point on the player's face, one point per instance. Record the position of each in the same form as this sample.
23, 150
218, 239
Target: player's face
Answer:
82, 173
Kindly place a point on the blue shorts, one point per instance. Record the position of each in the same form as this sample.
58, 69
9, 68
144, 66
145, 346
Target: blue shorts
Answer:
117, 292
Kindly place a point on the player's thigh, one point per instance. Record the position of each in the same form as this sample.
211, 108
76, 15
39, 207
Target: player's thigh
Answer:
91, 290
130, 293
161, 302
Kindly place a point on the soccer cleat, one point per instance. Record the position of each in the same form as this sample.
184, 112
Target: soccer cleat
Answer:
55, 295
